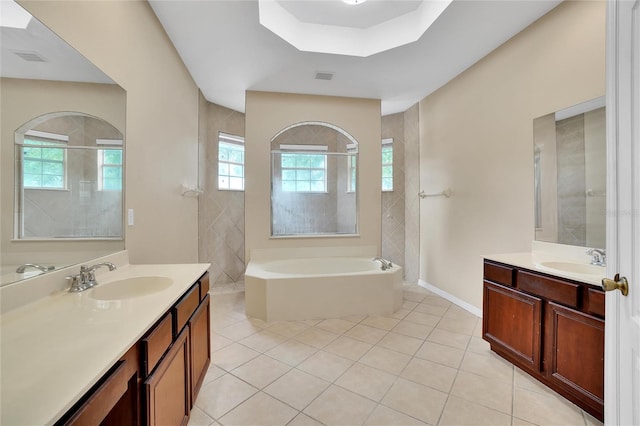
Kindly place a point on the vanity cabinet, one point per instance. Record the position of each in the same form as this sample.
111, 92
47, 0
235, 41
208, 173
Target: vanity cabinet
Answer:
550, 327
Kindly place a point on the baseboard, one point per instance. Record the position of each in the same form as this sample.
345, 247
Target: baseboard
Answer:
451, 298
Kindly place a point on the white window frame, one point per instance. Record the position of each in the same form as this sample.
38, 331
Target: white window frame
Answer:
352, 167
236, 141
108, 145
386, 143
46, 140
300, 150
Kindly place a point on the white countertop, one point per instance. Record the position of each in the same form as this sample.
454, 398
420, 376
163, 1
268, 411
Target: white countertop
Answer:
55, 348
534, 262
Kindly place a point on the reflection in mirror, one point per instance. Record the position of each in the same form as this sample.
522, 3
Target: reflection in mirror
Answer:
69, 178
570, 175
41, 74
314, 181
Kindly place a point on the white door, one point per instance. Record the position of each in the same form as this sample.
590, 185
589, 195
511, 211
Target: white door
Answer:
622, 326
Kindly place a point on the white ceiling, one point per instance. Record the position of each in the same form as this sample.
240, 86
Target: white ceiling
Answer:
228, 52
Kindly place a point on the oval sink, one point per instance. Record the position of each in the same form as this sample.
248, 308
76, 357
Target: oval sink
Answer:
130, 287
576, 268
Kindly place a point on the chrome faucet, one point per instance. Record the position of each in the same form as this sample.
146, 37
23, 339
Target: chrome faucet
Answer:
22, 268
384, 264
87, 278
598, 256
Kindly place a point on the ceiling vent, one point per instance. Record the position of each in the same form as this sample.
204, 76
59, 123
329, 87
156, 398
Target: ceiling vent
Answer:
324, 75
30, 56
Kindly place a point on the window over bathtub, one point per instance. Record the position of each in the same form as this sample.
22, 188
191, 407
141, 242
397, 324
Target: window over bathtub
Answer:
387, 164
230, 162
44, 160
303, 168
109, 164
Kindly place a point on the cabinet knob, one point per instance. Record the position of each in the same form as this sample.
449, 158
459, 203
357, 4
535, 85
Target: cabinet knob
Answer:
617, 283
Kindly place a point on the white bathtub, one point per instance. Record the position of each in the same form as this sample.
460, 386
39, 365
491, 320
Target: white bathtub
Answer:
320, 287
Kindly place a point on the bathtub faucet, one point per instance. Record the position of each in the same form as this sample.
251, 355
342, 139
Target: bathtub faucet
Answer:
385, 264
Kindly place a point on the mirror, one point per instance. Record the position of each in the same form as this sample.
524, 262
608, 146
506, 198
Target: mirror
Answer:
52, 97
570, 175
314, 181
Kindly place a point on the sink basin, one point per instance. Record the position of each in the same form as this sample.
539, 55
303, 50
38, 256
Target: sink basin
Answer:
129, 288
577, 268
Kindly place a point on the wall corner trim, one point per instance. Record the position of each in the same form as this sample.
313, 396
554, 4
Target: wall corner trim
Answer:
451, 298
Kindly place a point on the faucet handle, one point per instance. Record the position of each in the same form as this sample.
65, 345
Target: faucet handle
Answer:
77, 284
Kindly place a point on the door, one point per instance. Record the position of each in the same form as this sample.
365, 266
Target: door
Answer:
622, 327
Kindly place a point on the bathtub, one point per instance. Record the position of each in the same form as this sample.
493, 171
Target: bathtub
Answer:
320, 287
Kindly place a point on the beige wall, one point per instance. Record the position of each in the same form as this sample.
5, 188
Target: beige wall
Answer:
266, 115
127, 42
23, 100
476, 136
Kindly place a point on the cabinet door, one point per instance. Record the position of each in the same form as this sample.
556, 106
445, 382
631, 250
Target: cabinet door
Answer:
574, 354
199, 326
167, 389
511, 323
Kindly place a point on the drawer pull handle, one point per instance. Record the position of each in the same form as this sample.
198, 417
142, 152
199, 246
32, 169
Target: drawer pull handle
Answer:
617, 283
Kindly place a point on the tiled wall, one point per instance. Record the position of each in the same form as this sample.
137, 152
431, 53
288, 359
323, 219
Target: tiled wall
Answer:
220, 213
411, 199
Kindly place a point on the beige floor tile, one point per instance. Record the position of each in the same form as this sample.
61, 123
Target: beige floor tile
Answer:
316, 337
520, 422
413, 329
415, 400
198, 417
355, 318
347, 347
488, 365
430, 374
436, 301
459, 412
297, 388
456, 312
525, 381
426, 308
477, 345
424, 319
263, 340
366, 333
287, 328
213, 372
449, 338
312, 322
291, 352
337, 326
337, 406
545, 409
303, 420
325, 365
222, 395
401, 343
414, 295
462, 326
261, 371
590, 420
441, 354
477, 332
232, 356
260, 409
385, 416
387, 360
383, 323
400, 313
218, 342
239, 331
491, 393
408, 304
366, 381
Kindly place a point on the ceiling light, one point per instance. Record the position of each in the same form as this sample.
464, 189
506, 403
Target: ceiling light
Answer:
13, 15
354, 1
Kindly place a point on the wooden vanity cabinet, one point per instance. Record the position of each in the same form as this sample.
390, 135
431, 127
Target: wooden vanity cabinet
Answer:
550, 327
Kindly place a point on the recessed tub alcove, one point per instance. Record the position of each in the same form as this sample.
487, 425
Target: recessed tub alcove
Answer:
318, 283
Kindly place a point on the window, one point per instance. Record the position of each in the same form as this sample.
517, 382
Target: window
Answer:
44, 160
387, 164
230, 162
306, 171
352, 165
110, 169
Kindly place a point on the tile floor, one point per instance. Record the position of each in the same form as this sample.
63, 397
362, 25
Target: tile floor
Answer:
425, 364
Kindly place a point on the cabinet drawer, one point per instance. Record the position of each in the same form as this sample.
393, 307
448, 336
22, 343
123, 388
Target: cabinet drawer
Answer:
498, 273
595, 302
204, 286
185, 307
156, 344
560, 291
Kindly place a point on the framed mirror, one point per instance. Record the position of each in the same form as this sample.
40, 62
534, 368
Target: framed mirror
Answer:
570, 175
314, 188
52, 97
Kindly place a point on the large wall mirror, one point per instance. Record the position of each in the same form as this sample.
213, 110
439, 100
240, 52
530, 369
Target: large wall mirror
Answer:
314, 188
62, 144
570, 175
